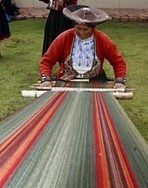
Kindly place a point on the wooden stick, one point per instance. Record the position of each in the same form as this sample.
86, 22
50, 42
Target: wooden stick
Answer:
123, 95
118, 95
79, 80
38, 93
86, 89
32, 93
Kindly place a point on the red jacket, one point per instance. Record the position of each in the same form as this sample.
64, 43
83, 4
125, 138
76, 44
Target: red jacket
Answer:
61, 48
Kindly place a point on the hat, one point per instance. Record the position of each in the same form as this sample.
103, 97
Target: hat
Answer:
83, 14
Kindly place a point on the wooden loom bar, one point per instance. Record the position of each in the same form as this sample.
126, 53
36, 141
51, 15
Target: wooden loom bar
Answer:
116, 93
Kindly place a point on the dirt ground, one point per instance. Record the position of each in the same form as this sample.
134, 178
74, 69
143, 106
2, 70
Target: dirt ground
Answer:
124, 15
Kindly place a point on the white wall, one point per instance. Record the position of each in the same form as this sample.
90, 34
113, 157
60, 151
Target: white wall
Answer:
116, 3
140, 4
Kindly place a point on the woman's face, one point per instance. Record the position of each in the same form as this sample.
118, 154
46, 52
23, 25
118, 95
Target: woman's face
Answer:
83, 31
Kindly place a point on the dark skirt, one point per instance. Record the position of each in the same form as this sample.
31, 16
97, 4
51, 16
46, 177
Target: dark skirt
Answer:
4, 27
56, 23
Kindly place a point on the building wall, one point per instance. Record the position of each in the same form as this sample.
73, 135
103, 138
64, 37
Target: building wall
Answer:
140, 4
117, 3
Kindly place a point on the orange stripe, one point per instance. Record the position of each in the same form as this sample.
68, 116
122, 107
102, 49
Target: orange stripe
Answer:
10, 139
129, 176
15, 159
18, 131
115, 175
102, 172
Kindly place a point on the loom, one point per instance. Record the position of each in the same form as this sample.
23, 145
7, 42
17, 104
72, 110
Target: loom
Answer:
72, 140
79, 87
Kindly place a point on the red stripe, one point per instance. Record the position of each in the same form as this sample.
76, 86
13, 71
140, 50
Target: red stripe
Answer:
19, 143
102, 176
106, 136
124, 165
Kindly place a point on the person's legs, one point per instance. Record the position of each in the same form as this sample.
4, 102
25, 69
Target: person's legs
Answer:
10, 9
49, 31
4, 27
65, 24
52, 28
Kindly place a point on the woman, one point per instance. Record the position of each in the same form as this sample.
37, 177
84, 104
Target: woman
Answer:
82, 50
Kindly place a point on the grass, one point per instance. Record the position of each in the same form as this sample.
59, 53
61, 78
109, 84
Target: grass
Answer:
21, 54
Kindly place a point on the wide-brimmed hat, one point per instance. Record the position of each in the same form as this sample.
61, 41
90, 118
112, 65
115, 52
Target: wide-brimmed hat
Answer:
82, 14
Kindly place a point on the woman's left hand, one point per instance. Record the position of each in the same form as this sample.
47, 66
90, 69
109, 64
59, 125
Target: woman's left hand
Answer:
119, 86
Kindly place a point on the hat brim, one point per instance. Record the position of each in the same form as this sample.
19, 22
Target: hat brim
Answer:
81, 14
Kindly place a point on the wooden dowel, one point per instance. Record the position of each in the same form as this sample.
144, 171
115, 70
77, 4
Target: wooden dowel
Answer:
86, 89
32, 93
123, 95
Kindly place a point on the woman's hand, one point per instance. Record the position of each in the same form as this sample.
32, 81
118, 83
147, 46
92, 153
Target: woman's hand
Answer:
46, 84
119, 86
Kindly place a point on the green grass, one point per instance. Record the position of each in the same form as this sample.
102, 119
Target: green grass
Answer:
19, 65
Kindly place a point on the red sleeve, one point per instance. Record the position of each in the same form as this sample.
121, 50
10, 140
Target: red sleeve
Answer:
116, 60
113, 55
56, 52
50, 58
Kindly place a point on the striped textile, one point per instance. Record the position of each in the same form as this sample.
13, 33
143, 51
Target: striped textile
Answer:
72, 140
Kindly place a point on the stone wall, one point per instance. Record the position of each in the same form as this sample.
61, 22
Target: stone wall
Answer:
137, 4
30, 3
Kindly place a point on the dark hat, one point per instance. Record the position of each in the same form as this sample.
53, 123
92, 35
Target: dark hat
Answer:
83, 14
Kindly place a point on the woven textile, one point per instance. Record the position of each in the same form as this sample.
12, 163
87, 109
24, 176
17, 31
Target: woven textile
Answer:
72, 140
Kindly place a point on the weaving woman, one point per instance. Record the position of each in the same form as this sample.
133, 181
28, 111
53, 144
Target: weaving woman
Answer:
82, 49
56, 21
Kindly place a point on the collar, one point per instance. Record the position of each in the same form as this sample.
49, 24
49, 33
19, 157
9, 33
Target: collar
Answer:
85, 41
